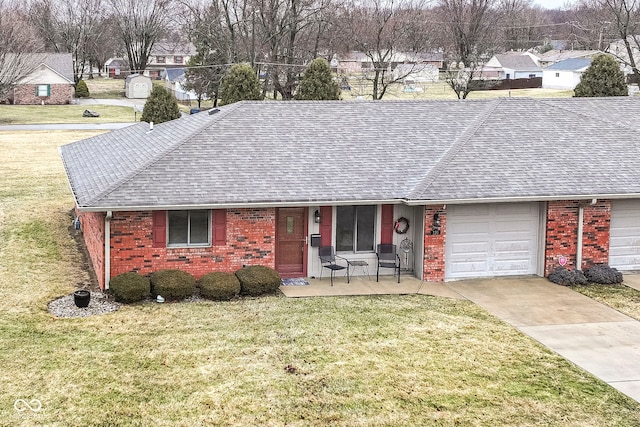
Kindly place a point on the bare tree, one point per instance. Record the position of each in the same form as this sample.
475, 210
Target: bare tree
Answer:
622, 19
140, 26
19, 46
69, 27
387, 33
470, 25
521, 24
289, 31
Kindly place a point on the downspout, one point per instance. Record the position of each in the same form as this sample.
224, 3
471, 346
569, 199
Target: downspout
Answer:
579, 243
107, 249
580, 231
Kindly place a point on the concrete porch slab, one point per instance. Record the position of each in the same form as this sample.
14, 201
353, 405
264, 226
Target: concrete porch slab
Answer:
361, 285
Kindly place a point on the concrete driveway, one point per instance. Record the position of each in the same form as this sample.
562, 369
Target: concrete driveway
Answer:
595, 337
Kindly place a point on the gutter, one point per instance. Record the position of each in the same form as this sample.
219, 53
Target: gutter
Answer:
313, 203
241, 205
107, 249
589, 197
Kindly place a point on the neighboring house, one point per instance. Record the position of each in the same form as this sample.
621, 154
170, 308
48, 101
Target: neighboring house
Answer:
168, 54
500, 187
356, 62
137, 86
554, 56
116, 68
564, 74
619, 51
51, 82
174, 81
513, 65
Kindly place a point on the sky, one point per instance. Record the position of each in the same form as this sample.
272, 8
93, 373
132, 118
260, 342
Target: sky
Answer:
553, 4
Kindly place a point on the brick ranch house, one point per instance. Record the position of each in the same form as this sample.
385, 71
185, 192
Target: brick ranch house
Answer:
50, 82
489, 187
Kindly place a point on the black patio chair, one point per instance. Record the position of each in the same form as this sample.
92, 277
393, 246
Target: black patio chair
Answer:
388, 258
328, 260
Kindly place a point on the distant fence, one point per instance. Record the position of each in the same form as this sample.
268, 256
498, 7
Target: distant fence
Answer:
532, 83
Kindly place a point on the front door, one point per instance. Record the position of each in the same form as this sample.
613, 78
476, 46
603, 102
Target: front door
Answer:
291, 245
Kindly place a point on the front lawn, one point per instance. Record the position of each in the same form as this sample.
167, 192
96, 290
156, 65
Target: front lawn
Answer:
343, 361
37, 114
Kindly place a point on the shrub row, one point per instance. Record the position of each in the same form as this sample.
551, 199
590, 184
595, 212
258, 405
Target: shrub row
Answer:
599, 273
176, 285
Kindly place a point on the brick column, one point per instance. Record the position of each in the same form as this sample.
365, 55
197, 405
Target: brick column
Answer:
434, 244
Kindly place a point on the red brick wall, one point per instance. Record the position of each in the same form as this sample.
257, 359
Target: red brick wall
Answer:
92, 224
562, 233
434, 248
250, 241
26, 95
596, 233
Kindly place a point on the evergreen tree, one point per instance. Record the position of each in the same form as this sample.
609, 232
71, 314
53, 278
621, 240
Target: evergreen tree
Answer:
240, 83
203, 77
317, 83
602, 78
161, 106
82, 91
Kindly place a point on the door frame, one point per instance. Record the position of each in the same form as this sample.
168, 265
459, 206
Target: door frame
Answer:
305, 246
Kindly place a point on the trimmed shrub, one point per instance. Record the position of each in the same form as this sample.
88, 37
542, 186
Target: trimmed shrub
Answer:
565, 277
603, 274
258, 280
219, 286
129, 287
82, 91
172, 284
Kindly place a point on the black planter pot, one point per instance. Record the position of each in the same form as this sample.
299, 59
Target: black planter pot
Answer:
81, 298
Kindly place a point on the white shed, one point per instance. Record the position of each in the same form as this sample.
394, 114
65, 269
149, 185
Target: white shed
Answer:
137, 86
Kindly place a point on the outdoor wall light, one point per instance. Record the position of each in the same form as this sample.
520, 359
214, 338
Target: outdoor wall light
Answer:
435, 226
316, 217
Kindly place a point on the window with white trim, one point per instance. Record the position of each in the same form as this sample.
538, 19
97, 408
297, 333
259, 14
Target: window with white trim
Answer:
189, 228
355, 228
43, 90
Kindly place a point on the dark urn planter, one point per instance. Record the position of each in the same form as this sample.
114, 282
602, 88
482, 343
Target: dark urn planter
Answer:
81, 298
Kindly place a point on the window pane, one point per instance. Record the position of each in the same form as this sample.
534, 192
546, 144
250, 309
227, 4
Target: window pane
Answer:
43, 90
366, 228
199, 227
178, 227
345, 222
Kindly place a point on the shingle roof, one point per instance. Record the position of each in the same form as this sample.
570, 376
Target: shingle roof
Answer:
174, 74
61, 63
573, 64
345, 152
560, 55
517, 62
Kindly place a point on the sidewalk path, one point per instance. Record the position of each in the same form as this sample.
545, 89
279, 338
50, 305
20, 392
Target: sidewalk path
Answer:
595, 337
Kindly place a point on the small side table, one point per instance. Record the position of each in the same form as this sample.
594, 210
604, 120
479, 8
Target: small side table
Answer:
360, 263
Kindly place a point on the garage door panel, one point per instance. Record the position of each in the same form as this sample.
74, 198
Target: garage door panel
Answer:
512, 246
624, 243
464, 267
481, 247
502, 239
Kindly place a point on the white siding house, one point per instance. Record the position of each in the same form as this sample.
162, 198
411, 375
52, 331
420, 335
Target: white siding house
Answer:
564, 74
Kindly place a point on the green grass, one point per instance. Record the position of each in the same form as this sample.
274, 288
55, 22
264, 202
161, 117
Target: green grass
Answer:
343, 361
620, 297
37, 114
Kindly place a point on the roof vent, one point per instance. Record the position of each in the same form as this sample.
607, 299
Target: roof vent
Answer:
213, 111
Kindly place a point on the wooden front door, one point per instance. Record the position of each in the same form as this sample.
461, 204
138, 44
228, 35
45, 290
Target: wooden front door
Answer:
291, 245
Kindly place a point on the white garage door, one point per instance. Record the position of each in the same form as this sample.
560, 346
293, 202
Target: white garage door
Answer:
492, 240
624, 246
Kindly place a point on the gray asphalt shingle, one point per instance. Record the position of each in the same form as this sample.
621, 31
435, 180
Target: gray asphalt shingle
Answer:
342, 151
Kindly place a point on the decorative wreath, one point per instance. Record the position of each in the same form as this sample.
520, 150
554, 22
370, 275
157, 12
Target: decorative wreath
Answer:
401, 226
